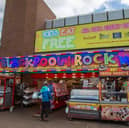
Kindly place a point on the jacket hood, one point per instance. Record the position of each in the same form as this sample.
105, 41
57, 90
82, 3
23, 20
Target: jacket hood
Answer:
45, 88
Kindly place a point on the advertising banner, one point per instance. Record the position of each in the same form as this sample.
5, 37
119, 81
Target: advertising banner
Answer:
95, 35
64, 61
115, 112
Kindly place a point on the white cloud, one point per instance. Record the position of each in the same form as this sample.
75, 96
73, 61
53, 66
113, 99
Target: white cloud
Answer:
2, 6
64, 8
108, 7
125, 2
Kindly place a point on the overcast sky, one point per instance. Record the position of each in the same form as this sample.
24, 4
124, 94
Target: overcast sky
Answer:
65, 8
2, 6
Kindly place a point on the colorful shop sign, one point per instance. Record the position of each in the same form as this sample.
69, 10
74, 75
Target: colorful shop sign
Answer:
96, 35
64, 61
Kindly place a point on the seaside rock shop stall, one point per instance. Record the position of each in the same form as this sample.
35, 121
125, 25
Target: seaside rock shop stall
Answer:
112, 67
109, 99
54, 67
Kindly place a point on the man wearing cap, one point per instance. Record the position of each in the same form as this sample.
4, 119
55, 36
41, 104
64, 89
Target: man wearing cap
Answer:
46, 97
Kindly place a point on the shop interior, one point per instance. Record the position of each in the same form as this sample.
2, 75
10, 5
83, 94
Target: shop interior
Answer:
17, 91
114, 89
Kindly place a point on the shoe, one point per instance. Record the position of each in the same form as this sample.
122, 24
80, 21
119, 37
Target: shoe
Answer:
45, 119
41, 119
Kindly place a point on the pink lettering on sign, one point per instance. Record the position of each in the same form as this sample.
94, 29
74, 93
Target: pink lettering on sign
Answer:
109, 27
97, 28
126, 25
43, 62
85, 30
52, 61
28, 63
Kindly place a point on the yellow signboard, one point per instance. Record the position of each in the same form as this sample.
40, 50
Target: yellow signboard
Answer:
96, 35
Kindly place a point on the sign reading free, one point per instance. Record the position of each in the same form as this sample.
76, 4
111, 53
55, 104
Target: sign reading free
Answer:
52, 40
96, 35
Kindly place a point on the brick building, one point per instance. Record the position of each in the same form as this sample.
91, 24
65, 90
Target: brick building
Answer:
22, 19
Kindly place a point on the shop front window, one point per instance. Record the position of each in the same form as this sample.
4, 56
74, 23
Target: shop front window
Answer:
114, 89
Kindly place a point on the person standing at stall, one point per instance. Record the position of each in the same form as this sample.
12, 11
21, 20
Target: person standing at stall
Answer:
45, 98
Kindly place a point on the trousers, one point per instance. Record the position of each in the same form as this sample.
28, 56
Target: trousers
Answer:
45, 108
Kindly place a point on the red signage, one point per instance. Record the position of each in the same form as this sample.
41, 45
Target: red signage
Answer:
114, 72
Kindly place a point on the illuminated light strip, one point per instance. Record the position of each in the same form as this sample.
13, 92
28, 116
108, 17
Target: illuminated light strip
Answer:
57, 70
53, 69
70, 53
121, 50
96, 51
115, 50
63, 53
48, 70
102, 51
35, 70
68, 69
22, 71
50, 54
90, 52
11, 71
84, 69
126, 50
63, 70
79, 70
109, 51
78, 52
22, 56
34, 55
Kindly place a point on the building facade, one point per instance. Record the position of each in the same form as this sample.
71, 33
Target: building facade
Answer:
22, 18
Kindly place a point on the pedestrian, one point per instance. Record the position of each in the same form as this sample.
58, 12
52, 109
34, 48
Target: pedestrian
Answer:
45, 98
